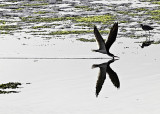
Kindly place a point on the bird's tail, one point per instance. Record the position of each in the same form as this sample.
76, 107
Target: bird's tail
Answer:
95, 50
95, 66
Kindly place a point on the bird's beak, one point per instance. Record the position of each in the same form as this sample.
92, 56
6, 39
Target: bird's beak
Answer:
116, 57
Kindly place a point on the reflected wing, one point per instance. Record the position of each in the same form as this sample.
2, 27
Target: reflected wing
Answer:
112, 36
105, 67
113, 76
99, 39
101, 79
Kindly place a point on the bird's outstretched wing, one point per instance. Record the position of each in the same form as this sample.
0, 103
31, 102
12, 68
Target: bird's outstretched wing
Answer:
112, 36
99, 39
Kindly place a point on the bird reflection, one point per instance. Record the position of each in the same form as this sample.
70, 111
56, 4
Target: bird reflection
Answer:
105, 68
146, 43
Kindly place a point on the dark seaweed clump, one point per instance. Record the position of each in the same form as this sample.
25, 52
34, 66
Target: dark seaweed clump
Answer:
10, 85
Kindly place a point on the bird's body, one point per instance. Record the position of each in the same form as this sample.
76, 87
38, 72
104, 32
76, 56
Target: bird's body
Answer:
104, 47
146, 27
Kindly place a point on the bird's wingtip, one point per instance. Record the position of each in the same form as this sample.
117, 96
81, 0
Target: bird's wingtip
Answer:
116, 24
95, 27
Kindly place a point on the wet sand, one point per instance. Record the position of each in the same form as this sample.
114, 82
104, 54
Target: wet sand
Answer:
66, 86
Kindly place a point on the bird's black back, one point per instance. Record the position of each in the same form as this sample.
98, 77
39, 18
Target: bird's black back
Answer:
146, 27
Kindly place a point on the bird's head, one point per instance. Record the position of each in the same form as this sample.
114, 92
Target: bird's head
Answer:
95, 26
142, 46
112, 55
141, 25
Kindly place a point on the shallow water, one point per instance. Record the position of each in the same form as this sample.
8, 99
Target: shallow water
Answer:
68, 86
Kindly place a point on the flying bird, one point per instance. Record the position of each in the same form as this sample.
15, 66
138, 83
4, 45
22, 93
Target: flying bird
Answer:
104, 47
105, 68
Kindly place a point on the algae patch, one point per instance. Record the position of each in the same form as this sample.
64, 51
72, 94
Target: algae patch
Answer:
100, 18
41, 12
9, 27
40, 4
85, 25
89, 19
38, 27
76, 32
70, 32
86, 8
86, 40
2, 21
155, 14
10, 85
158, 2
45, 19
